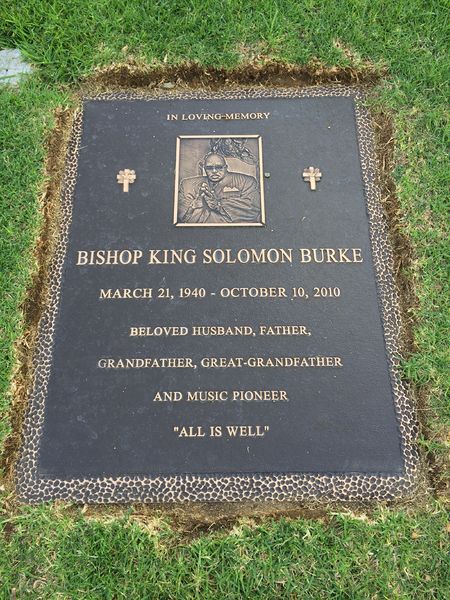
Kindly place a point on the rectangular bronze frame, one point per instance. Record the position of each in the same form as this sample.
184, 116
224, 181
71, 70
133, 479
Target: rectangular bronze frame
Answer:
261, 183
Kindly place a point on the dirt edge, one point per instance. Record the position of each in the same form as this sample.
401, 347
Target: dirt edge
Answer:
142, 76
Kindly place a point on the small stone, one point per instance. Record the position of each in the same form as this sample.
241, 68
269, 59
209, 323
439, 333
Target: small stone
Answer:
12, 67
267, 175
168, 85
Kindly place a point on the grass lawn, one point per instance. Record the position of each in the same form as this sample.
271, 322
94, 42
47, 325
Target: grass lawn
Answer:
55, 551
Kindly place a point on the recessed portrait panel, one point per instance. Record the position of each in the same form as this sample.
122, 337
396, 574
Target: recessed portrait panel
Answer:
218, 181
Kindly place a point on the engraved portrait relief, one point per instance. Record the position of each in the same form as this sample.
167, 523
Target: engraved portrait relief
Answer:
218, 181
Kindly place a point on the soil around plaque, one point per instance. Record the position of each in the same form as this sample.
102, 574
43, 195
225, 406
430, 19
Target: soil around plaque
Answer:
136, 75
33, 306
57, 143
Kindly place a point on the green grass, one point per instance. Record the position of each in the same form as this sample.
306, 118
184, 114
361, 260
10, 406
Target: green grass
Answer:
395, 554
71, 557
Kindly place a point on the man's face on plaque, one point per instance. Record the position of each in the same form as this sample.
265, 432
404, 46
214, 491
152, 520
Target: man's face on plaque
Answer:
215, 167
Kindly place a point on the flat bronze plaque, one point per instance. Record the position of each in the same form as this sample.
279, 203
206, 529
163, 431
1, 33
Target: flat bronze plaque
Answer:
222, 322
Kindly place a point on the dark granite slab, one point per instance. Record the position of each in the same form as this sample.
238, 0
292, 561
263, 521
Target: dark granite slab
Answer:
319, 412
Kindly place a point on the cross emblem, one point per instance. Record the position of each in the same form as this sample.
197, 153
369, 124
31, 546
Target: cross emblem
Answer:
125, 177
311, 175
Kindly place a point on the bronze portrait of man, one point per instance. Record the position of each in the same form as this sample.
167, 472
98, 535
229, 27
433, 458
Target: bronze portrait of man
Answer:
219, 195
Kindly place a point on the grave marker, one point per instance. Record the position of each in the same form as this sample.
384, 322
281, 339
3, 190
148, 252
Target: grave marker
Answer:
219, 336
